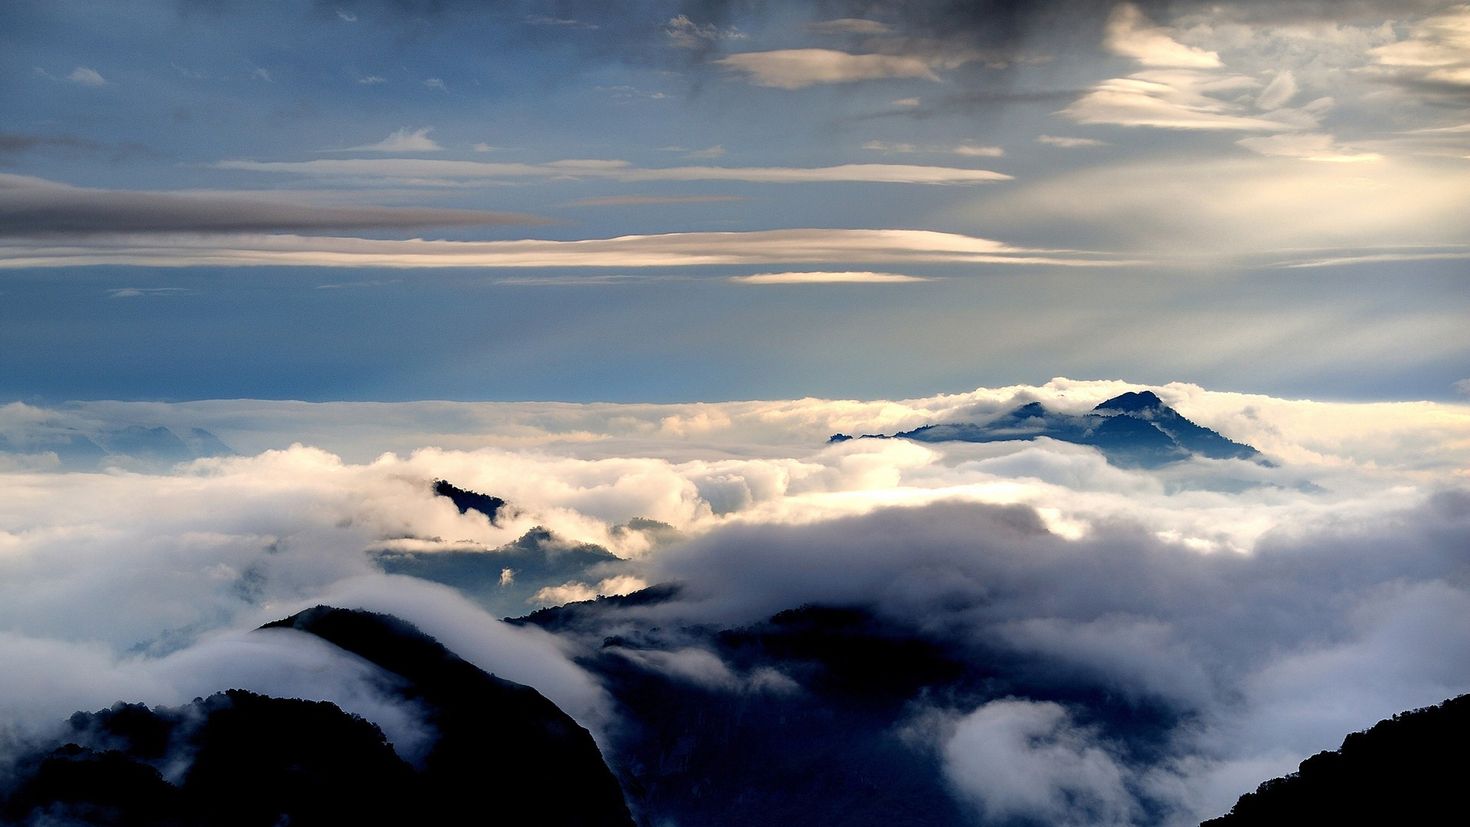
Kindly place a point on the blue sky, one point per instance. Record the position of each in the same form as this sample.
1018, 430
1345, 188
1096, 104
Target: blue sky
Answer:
216, 199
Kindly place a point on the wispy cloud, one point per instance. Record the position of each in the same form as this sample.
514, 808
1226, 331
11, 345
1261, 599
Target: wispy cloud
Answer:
684, 33
850, 277
651, 200
141, 292
86, 77
401, 141
1308, 146
1068, 143
849, 25
1172, 99
757, 248
1435, 53
1129, 33
800, 68
38, 208
963, 150
418, 169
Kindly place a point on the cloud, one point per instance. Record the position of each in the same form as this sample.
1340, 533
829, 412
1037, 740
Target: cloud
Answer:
827, 278
1308, 146
1267, 618
86, 77
402, 141
965, 150
1278, 92
800, 68
800, 246
394, 169
140, 292
1435, 54
648, 200
1172, 99
1068, 143
686, 34
372, 80
37, 208
436, 83
1130, 34
1020, 759
1277, 208
849, 25
716, 151
573, 592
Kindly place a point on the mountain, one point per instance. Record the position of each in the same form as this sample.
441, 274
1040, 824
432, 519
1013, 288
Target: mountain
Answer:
466, 500
1409, 769
503, 754
805, 717
1134, 429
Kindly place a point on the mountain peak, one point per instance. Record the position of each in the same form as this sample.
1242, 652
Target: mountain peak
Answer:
1132, 401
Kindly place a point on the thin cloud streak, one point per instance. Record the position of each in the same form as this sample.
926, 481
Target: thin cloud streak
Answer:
851, 277
416, 168
803, 246
37, 208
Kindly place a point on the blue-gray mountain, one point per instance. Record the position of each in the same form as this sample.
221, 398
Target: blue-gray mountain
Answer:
1134, 430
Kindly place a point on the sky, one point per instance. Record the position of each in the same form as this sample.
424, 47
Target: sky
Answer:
681, 201
621, 263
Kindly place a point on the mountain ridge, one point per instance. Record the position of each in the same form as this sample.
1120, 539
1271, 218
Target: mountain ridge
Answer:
1135, 429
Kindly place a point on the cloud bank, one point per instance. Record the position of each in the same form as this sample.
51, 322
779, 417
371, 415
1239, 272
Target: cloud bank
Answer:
1262, 612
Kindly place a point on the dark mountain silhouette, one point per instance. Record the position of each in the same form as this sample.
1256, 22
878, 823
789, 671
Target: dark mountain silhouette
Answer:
1409, 769
502, 753
1135, 429
255, 761
813, 720
498, 741
466, 500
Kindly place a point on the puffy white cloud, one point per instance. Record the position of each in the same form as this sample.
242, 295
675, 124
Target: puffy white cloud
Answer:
800, 68
1266, 610
1022, 759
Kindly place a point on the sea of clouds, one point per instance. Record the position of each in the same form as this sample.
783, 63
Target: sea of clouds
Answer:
1273, 607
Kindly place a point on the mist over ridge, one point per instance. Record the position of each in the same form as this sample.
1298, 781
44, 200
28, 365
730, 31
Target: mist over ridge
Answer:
1151, 642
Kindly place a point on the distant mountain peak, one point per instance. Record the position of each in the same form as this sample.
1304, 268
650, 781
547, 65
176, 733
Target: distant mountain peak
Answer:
1132, 401
1134, 429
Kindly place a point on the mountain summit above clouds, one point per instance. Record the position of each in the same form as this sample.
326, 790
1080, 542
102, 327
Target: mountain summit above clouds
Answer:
1134, 429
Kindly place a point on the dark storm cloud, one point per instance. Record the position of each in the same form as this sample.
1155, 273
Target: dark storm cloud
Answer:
31, 207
